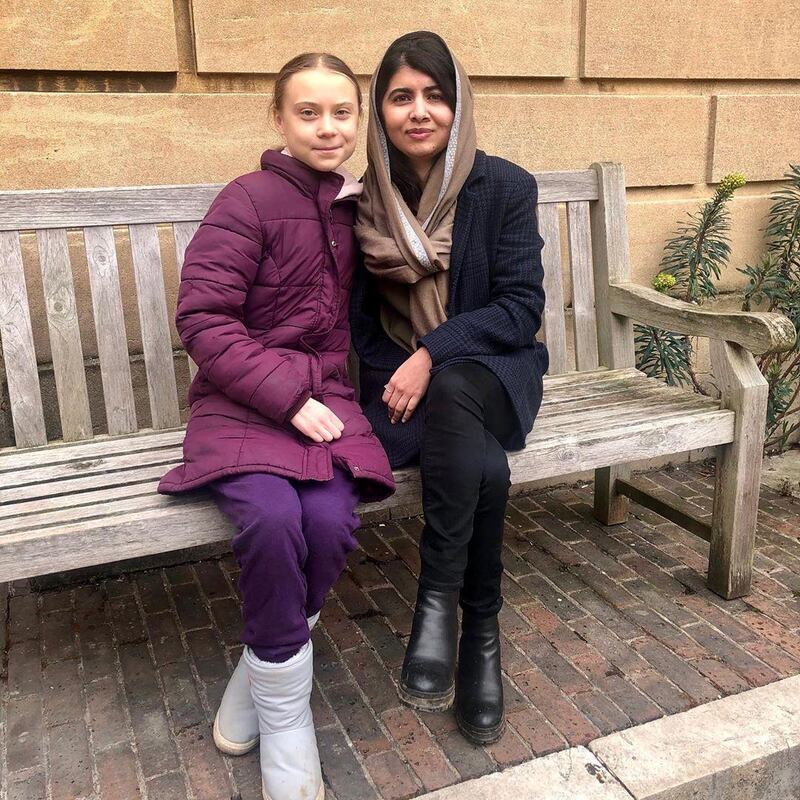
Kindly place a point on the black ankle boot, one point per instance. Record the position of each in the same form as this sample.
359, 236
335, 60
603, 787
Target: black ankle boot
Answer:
427, 680
479, 686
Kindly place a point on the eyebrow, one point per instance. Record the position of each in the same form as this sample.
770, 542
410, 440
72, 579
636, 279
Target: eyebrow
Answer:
317, 105
411, 91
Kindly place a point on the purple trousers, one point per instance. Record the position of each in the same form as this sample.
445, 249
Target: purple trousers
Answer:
291, 545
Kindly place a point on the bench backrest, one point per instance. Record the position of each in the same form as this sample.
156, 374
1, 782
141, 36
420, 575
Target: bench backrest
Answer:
594, 243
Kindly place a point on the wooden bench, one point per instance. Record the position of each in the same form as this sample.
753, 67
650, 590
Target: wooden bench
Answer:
90, 497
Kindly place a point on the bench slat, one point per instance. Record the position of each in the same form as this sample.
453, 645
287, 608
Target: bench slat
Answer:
90, 497
121, 469
156, 338
112, 338
65, 335
567, 186
12, 460
79, 208
553, 325
580, 259
183, 233
101, 540
19, 356
649, 438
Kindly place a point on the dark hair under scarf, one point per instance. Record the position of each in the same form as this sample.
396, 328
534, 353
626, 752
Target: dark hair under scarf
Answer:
408, 247
425, 52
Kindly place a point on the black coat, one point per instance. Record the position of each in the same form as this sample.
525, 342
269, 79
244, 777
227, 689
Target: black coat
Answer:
494, 307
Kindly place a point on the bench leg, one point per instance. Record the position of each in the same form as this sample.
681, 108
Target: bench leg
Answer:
738, 478
610, 507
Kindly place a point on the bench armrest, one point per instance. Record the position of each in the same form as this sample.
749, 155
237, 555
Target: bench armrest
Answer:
758, 332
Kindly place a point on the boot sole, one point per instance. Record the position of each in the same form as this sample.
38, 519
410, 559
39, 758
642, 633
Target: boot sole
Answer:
481, 735
427, 702
320, 793
231, 748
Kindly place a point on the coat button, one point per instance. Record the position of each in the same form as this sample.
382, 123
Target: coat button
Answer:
333, 243
356, 468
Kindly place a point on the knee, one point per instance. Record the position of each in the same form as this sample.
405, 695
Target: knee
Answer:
447, 385
269, 531
451, 398
331, 528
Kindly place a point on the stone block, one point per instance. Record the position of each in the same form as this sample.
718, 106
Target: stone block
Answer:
61, 140
756, 134
505, 38
676, 39
565, 131
560, 776
742, 747
86, 35
652, 222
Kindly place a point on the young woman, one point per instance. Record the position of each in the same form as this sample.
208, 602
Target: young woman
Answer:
274, 430
444, 319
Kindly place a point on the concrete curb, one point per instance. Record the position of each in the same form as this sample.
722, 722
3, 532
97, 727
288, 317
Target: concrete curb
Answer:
744, 747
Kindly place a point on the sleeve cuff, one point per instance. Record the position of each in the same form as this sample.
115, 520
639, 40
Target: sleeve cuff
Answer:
437, 344
297, 405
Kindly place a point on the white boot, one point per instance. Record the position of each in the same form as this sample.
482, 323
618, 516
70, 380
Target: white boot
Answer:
236, 723
290, 767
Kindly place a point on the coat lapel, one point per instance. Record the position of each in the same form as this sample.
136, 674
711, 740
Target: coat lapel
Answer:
461, 227
463, 224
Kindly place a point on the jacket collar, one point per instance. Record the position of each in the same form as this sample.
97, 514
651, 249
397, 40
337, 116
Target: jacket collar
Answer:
309, 181
478, 171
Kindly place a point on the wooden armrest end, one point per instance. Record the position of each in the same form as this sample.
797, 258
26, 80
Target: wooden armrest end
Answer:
756, 331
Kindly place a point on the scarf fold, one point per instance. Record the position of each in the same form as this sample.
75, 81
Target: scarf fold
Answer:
410, 253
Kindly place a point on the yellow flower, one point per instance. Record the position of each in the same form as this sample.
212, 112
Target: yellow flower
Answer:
663, 282
730, 183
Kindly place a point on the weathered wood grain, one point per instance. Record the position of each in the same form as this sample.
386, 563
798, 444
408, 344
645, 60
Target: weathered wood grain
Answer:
78, 208
738, 479
164, 523
553, 324
758, 332
183, 233
112, 338
65, 335
156, 338
612, 264
580, 259
19, 356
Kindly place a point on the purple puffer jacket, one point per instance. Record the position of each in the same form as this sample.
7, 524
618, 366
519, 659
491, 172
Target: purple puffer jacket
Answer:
262, 310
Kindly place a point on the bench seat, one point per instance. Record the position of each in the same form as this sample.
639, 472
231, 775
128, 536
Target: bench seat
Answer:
80, 490
79, 504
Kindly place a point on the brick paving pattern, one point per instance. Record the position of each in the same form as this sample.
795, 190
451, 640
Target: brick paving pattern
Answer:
110, 686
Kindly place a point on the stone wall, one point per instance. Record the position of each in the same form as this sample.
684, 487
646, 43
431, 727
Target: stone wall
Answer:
176, 91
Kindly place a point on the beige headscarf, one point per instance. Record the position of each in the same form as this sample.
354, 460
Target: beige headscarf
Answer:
408, 253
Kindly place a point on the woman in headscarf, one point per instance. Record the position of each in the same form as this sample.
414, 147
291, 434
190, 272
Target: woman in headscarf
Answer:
444, 318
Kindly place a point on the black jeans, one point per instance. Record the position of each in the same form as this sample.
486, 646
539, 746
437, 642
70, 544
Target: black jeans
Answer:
465, 482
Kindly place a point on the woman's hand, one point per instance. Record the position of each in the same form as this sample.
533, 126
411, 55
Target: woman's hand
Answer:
408, 386
317, 421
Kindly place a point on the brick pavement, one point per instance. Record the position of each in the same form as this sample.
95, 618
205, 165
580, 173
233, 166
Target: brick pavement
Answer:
110, 685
